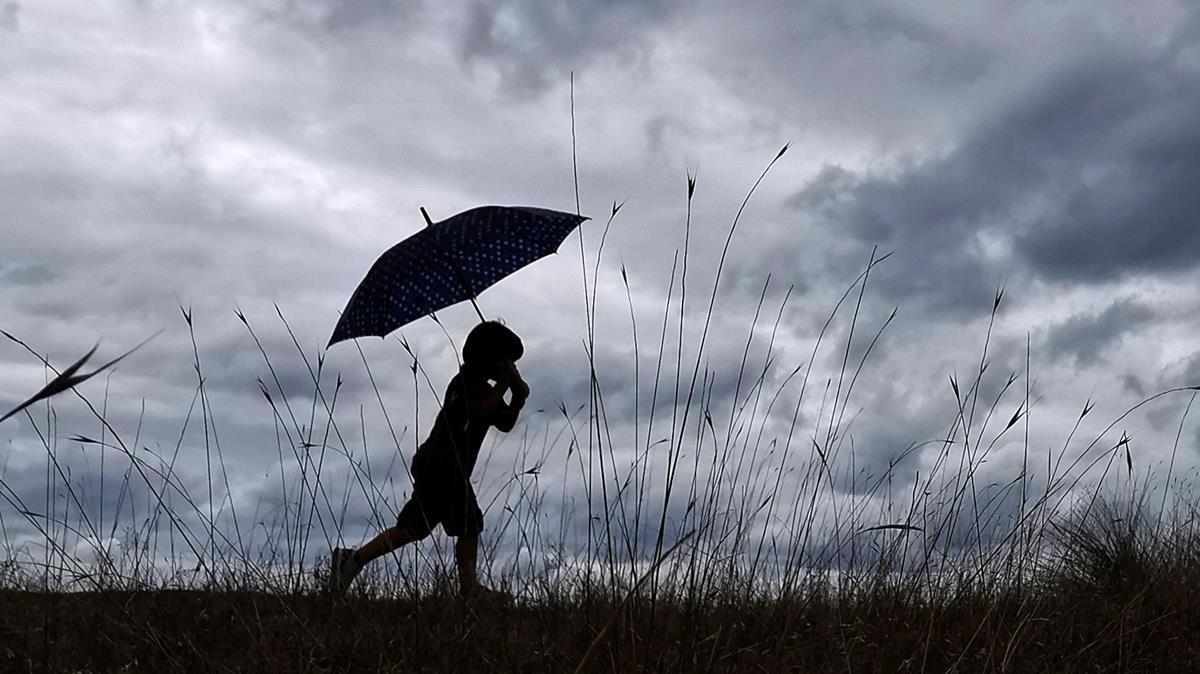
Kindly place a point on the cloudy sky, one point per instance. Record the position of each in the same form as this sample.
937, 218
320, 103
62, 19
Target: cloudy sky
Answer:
217, 156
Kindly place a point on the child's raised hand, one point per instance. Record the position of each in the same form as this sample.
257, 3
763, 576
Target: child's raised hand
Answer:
519, 388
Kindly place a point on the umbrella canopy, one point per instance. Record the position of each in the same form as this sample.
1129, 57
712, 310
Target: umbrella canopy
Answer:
449, 262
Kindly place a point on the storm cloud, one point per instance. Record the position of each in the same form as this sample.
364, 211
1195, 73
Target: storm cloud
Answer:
226, 172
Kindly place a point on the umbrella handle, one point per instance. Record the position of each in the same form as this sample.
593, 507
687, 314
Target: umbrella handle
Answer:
481, 318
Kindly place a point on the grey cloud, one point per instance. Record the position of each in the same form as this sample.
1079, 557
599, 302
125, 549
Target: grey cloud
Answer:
1088, 177
744, 277
927, 216
1190, 375
342, 15
822, 194
30, 275
1134, 384
1141, 217
1132, 149
862, 67
534, 43
873, 25
10, 16
659, 127
869, 20
57, 184
335, 17
1084, 337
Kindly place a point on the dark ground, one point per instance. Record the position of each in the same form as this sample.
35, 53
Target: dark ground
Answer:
1137, 627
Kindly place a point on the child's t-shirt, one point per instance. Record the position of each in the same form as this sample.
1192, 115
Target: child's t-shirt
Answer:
454, 442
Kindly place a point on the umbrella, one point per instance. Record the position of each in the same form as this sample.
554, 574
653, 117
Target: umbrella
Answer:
448, 262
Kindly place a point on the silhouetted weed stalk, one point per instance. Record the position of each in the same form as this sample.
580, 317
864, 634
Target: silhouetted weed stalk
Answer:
696, 506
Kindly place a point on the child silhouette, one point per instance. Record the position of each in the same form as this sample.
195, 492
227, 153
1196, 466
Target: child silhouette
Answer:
441, 468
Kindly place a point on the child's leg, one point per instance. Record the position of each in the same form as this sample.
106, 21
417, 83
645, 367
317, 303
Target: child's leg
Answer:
466, 552
465, 522
385, 542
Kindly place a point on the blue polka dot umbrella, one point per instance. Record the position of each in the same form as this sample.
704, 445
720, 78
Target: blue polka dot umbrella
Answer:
449, 262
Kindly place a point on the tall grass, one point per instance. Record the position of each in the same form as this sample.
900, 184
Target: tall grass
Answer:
703, 531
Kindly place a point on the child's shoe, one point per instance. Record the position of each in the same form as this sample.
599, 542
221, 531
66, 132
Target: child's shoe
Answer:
343, 567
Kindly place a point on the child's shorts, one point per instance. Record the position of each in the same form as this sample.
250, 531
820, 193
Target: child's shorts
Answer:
441, 498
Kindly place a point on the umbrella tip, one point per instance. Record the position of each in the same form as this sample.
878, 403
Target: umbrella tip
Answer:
428, 221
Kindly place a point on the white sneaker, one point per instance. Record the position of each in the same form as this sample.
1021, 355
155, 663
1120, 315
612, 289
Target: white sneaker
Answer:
343, 567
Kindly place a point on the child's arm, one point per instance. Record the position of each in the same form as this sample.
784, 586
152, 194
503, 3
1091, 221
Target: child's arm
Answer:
504, 415
486, 405
516, 383
490, 405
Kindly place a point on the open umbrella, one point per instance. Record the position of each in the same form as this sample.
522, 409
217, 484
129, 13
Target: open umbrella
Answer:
448, 262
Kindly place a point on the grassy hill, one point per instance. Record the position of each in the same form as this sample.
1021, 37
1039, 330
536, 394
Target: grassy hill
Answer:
1148, 621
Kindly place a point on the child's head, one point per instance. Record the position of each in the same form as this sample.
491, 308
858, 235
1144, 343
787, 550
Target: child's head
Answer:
491, 343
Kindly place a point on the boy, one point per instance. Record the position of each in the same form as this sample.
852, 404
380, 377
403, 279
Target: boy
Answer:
441, 468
